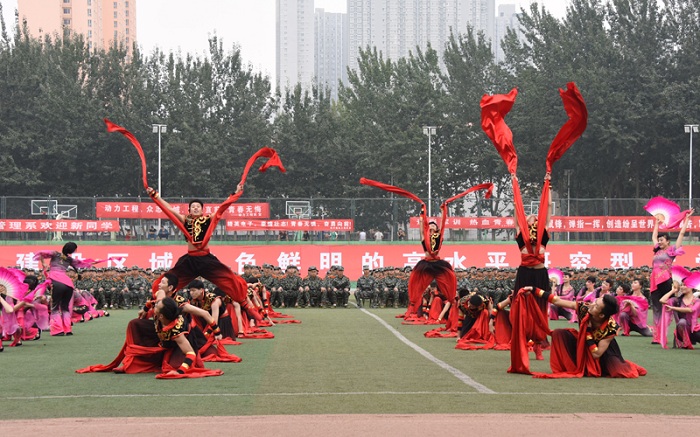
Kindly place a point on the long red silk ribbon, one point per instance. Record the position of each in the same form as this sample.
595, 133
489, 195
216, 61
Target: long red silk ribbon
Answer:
111, 127
265, 152
426, 232
572, 130
493, 111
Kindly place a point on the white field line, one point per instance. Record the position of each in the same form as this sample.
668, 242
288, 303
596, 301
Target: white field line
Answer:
359, 393
466, 379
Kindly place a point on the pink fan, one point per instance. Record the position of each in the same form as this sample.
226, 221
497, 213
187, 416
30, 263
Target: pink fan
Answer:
557, 275
693, 281
667, 211
12, 283
679, 273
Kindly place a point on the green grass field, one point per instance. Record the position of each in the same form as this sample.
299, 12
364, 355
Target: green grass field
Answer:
338, 361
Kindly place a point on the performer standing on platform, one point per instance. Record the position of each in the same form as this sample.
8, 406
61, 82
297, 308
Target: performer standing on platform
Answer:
529, 314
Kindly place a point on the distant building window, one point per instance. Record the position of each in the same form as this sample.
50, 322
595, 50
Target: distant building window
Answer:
115, 24
66, 21
115, 5
90, 42
126, 4
66, 11
89, 23
89, 33
126, 13
127, 40
127, 31
89, 12
66, 1
115, 14
127, 22
115, 35
89, 2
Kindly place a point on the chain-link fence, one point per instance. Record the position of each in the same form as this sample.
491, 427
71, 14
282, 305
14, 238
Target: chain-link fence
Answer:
388, 217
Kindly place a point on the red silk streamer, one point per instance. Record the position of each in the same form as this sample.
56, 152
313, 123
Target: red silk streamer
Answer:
111, 127
426, 227
572, 130
265, 152
493, 111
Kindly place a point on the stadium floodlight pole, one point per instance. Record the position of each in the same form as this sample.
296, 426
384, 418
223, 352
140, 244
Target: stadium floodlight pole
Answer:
159, 129
429, 131
690, 129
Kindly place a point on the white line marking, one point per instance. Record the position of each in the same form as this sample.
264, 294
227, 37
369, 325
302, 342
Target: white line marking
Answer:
360, 393
454, 371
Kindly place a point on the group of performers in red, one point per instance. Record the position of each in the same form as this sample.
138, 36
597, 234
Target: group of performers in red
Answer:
185, 333
182, 334
478, 322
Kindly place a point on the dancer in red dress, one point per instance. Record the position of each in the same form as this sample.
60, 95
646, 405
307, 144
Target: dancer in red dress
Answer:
432, 267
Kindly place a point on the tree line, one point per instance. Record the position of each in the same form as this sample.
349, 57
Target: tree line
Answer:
636, 63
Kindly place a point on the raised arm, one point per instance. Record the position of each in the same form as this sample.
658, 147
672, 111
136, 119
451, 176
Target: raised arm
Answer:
514, 178
548, 177
681, 234
655, 232
163, 204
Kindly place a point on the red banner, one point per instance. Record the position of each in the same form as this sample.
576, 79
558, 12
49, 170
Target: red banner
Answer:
354, 256
340, 225
562, 223
149, 210
59, 225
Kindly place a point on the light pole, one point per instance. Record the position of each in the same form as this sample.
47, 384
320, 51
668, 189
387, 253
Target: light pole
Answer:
159, 129
429, 131
690, 129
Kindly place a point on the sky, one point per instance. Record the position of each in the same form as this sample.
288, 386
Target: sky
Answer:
172, 25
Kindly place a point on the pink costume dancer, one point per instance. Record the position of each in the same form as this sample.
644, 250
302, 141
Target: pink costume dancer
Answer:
685, 309
61, 285
10, 325
80, 310
634, 310
664, 255
90, 301
565, 291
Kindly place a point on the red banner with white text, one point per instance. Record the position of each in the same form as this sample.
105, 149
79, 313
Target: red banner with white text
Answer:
149, 210
353, 257
59, 225
562, 223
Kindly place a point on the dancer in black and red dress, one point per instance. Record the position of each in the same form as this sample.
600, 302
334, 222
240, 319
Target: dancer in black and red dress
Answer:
198, 229
431, 267
528, 313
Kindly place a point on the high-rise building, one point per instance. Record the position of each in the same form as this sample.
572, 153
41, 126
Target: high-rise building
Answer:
507, 19
103, 23
295, 43
397, 27
331, 60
